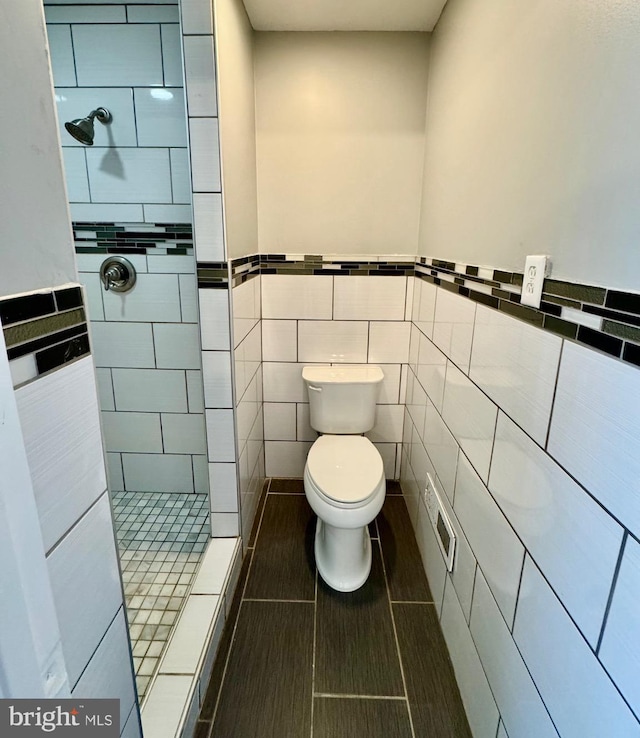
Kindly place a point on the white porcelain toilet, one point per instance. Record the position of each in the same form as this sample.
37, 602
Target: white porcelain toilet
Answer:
344, 476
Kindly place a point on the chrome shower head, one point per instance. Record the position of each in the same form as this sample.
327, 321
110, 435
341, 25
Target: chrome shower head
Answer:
82, 128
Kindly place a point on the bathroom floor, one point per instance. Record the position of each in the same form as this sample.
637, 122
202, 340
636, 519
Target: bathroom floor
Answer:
298, 659
161, 538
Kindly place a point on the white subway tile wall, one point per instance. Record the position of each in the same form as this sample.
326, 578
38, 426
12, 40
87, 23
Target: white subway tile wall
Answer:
149, 378
128, 59
555, 638
317, 319
86, 585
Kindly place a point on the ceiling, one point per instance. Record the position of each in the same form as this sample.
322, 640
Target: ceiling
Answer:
344, 15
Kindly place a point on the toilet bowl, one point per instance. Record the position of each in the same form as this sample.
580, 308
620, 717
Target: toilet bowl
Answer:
345, 485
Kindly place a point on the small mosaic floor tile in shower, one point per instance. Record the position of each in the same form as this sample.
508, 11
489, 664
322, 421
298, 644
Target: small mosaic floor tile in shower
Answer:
161, 538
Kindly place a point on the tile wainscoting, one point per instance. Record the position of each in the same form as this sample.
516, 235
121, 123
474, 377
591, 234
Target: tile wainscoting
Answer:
57, 402
528, 426
531, 439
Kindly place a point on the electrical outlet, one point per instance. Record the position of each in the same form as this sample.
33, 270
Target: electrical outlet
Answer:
535, 270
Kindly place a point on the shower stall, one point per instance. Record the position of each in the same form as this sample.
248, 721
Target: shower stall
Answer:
143, 182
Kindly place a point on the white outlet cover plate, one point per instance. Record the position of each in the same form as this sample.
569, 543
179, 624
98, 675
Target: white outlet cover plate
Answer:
535, 270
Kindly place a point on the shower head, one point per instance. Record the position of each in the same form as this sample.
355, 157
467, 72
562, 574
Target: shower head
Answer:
82, 128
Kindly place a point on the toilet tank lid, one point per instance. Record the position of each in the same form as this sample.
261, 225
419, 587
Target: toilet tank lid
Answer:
343, 374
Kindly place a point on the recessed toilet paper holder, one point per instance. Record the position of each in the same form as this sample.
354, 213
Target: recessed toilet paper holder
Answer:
117, 274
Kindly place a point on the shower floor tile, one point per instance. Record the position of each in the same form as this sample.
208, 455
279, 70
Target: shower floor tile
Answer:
161, 538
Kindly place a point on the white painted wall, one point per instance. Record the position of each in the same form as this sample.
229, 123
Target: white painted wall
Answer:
340, 138
35, 231
532, 137
234, 48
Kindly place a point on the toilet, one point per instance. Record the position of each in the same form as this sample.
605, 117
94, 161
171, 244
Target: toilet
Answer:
344, 477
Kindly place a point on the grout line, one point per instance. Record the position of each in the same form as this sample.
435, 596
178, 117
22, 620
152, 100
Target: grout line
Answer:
265, 599
231, 644
259, 528
553, 399
614, 582
395, 635
313, 657
326, 695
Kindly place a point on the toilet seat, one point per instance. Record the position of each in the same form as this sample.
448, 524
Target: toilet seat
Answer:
345, 470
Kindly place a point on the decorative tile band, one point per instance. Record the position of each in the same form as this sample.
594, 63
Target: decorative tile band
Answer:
213, 275
604, 319
133, 238
44, 330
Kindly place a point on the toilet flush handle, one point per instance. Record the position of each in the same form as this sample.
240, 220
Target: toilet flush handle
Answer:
315, 389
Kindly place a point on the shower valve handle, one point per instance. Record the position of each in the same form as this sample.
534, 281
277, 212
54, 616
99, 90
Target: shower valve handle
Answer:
117, 274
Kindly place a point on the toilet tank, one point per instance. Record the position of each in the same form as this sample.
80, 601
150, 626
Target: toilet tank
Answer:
342, 399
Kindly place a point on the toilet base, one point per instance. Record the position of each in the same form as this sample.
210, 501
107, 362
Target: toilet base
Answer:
343, 556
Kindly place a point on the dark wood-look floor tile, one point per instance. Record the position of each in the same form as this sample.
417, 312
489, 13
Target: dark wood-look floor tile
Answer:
215, 680
335, 718
256, 520
393, 487
402, 561
202, 730
283, 562
434, 698
267, 688
355, 645
287, 486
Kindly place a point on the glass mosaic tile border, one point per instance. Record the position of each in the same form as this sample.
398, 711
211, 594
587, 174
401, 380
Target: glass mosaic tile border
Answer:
45, 330
604, 319
174, 239
597, 317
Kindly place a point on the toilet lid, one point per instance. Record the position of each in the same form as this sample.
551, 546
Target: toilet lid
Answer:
345, 468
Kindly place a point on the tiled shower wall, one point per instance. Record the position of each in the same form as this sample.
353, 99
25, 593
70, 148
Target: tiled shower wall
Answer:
532, 441
147, 352
131, 194
125, 58
52, 371
233, 391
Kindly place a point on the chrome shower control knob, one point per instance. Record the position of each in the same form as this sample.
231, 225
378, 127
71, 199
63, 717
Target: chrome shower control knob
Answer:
117, 274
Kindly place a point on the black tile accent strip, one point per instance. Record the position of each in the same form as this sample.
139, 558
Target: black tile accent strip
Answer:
601, 341
612, 314
624, 301
631, 353
620, 310
133, 238
62, 353
69, 298
51, 326
18, 309
434, 698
